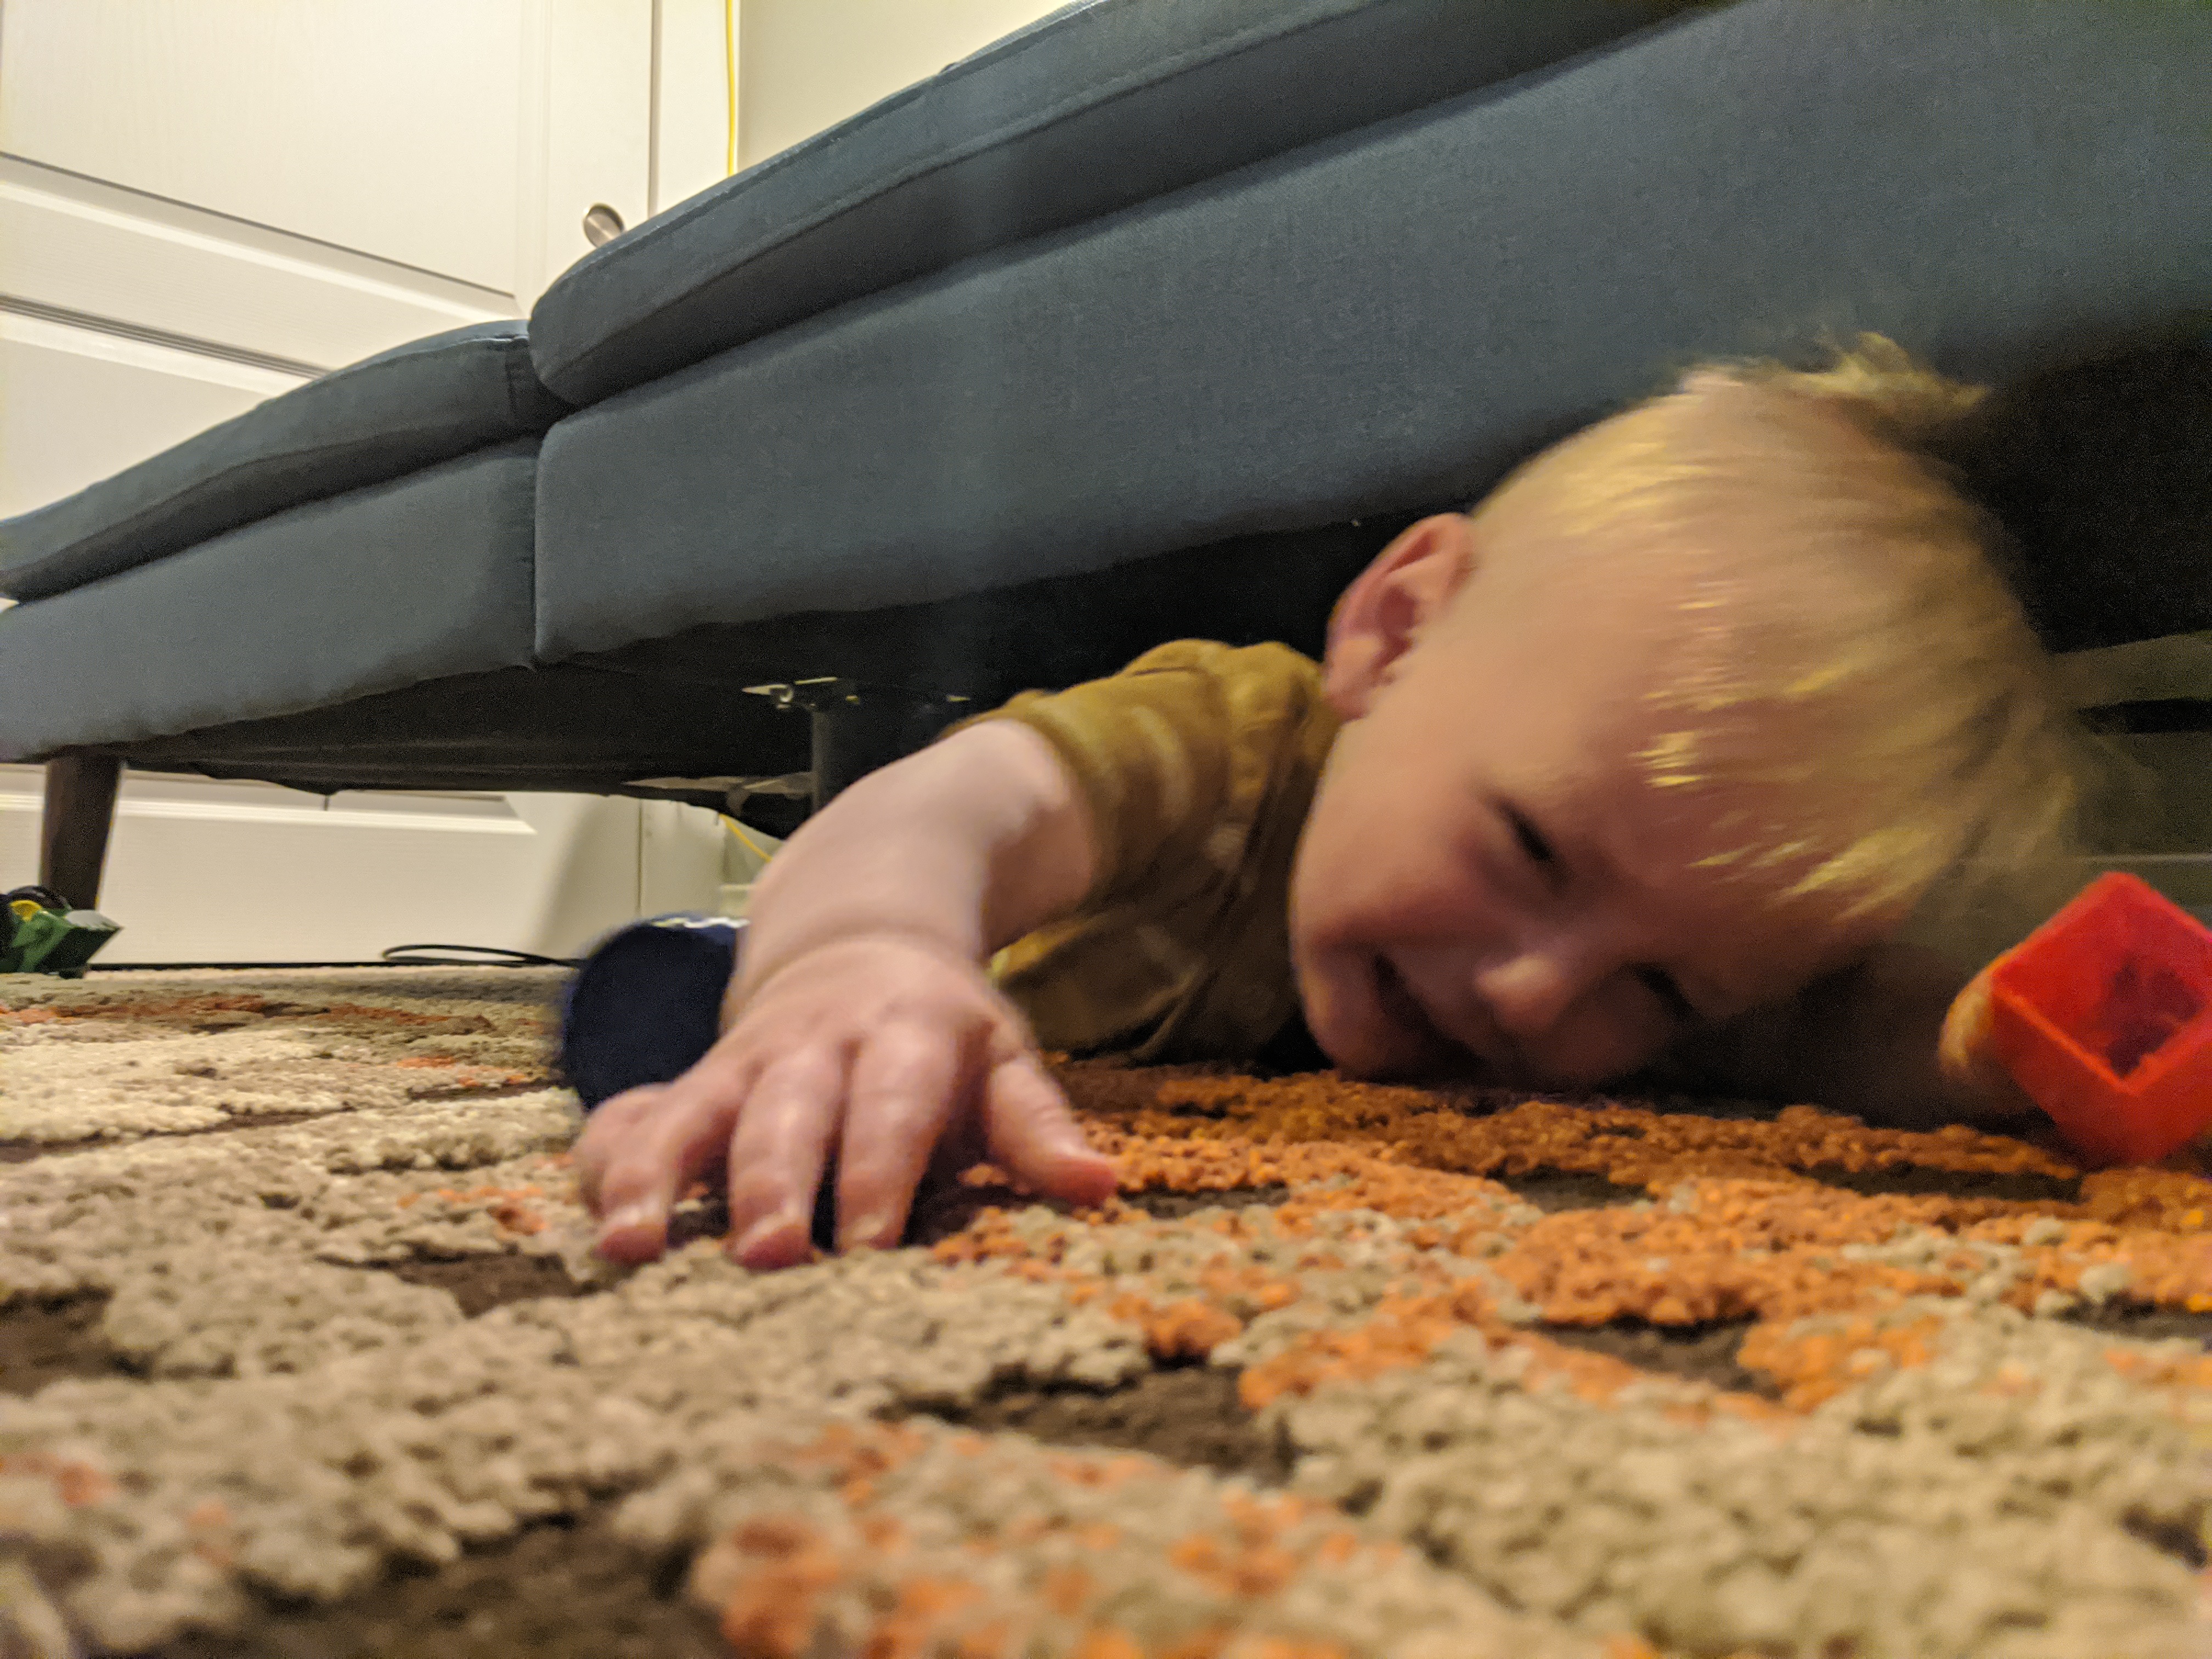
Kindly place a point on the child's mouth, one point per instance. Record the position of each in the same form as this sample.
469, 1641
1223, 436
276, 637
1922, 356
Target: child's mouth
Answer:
1406, 1012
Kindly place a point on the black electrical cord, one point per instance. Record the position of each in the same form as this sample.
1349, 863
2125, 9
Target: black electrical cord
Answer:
482, 955
474, 955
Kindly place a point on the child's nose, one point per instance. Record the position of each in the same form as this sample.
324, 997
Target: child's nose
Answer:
1530, 992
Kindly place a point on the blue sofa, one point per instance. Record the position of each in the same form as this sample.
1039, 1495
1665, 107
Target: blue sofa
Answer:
1145, 321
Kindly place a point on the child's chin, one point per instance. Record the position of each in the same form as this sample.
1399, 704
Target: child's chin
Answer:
1354, 1020
1399, 1057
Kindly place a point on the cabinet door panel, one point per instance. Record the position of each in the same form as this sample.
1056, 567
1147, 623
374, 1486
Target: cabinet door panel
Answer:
391, 127
77, 405
105, 255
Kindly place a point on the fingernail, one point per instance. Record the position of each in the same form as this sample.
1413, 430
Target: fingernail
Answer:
642, 1213
1075, 1149
862, 1233
761, 1231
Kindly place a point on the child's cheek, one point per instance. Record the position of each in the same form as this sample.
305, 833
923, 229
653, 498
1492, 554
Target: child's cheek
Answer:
1608, 1039
1337, 1013
1320, 995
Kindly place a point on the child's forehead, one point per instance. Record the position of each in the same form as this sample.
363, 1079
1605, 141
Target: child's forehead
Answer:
1653, 620
1685, 616
1716, 455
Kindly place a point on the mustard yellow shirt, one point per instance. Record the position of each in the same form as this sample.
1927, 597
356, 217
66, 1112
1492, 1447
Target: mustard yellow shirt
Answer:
1198, 763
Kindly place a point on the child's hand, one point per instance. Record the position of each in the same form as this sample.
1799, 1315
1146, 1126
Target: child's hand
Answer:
881, 1046
1982, 1085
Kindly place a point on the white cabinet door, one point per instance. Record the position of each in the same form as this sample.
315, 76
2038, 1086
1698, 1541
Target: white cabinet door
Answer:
391, 127
463, 139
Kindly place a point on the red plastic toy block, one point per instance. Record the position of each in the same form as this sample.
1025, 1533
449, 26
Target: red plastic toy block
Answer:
2104, 1016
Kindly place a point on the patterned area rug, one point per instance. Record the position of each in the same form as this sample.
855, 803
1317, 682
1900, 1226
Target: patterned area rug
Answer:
304, 1354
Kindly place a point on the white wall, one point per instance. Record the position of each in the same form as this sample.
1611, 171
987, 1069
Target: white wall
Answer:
206, 871
807, 64
692, 99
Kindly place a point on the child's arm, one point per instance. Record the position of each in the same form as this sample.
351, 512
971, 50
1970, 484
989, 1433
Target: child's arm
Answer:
861, 1022
1891, 1039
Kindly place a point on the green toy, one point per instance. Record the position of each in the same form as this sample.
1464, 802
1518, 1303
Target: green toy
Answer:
39, 933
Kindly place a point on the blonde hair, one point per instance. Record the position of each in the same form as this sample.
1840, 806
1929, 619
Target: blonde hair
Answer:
1912, 681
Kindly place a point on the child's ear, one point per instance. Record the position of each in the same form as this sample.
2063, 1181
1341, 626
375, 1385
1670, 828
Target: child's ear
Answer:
1393, 602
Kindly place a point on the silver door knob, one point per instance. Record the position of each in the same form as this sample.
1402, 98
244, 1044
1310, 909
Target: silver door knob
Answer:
602, 224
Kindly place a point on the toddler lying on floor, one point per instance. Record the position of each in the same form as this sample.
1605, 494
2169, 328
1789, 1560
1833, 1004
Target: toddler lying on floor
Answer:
1643, 761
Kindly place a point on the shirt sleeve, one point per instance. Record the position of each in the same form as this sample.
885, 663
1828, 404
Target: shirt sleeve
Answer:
1198, 763
1159, 751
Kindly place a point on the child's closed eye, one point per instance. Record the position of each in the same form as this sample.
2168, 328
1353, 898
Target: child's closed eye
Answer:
1662, 984
1534, 846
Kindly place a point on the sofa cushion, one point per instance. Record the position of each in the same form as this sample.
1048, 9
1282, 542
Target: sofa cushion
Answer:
427, 401
1391, 321
1094, 107
412, 580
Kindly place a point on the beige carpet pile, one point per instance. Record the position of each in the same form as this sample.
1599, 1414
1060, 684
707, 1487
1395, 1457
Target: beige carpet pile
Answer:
303, 1352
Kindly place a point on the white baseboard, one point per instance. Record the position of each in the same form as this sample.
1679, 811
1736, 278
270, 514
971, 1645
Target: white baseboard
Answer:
206, 871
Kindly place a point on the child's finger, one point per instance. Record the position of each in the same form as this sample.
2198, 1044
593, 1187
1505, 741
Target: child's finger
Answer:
675, 1141
1966, 1059
1963, 1049
613, 1122
1033, 1134
1966, 1027
777, 1153
902, 1094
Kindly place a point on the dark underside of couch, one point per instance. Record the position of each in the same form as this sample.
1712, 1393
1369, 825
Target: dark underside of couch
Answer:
677, 707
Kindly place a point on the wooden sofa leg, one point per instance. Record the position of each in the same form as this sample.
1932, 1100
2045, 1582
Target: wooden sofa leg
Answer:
80, 807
